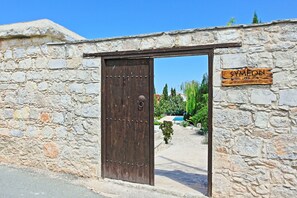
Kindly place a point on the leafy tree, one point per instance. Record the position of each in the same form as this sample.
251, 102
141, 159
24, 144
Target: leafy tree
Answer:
157, 107
197, 101
176, 105
201, 115
255, 19
165, 92
191, 91
231, 22
172, 92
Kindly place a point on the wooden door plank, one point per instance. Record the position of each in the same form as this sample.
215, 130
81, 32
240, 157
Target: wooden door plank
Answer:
129, 153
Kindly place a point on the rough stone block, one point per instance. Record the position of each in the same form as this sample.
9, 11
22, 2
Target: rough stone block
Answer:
25, 64
96, 76
57, 87
261, 119
51, 150
41, 63
261, 60
16, 133
7, 54
147, 43
57, 64
233, 61
228, 35
18, 77
58, 118
74, 63
19, 52
130, 44
237, 96
42, 86
61, 132
45, 117
5, 76
8, 113
33, 50
202, 37
165, 41
92, 88
221, 185
57, 51
219, 95
262, 96
282, 147
78, 128
217, 80
47, 132
247, 146
279, 122
281, 78
230, 118
90, 111
283, 191
32, 131
22, 113
62, 101
76, 88
222, 137
183, 40
288, 97
91, 63
4, 132
9, 65
83, 75
283, 59
35, 76
10, 98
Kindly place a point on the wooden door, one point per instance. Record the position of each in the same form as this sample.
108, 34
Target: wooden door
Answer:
127, 120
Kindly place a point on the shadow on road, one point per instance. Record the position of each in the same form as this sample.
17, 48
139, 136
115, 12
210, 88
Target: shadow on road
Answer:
197, 182
185, 165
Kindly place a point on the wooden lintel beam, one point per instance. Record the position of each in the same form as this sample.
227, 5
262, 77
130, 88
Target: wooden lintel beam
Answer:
189, 50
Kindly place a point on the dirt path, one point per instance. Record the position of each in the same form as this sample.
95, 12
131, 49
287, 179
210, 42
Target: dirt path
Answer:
182, 165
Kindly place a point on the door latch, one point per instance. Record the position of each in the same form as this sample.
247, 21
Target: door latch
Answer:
141, 100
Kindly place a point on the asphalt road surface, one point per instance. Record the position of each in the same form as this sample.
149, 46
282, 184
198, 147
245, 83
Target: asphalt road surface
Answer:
19, 183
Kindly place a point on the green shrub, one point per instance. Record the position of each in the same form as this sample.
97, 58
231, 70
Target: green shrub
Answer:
201, 132
167, 130
201, 117
156, 122
185, 123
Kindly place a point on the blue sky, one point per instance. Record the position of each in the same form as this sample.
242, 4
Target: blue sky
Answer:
110, 18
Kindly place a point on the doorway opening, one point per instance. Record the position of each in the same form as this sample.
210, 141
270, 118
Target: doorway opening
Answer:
181, 92
114, 75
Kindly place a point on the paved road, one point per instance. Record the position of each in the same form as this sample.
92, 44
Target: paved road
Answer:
182, 166
18, 183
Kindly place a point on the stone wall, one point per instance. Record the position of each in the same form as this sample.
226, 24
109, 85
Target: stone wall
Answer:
255, 139
50, 105
49, 115
254, 131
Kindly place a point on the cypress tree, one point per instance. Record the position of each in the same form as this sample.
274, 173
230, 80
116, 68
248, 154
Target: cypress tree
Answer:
165, 92
255, 18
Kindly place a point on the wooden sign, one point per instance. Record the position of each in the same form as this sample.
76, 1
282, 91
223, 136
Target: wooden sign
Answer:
247, 76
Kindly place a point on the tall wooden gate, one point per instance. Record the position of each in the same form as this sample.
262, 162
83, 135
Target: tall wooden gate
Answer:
127, 124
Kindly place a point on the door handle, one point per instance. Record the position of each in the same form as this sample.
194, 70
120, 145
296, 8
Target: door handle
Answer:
141, 100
